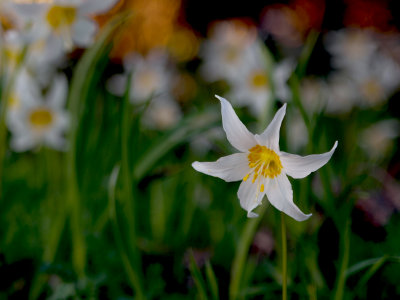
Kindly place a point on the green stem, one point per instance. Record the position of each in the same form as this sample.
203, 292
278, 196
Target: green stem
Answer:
344, 263
129, 269
284, 257
127, 190
242, 252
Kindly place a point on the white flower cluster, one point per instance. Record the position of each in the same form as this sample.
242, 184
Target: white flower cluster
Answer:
151, 81
34, 46
233, 53
365, 72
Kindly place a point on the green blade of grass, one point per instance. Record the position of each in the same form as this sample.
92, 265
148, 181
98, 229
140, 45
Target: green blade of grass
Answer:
242, 252
345, 245
78, 95
369, 263
197, 277
212, 281
182, 132
133, 276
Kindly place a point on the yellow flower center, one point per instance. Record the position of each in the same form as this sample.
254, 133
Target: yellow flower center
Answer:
372, 90
259, 79
263, 162
40, 118
148, 80
231, 54
59, 16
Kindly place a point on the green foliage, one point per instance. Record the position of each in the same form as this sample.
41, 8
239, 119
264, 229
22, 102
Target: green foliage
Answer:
122, 214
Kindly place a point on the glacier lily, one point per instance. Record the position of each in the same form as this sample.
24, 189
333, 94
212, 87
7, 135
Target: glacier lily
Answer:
260, 165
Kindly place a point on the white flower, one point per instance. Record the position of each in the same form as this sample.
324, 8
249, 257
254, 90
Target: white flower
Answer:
42, 56
162, 113
252, 86
377, 80
378, 139
38, 120
351, 48
261, 166
225, 52
69, 21
151, 77
341, 95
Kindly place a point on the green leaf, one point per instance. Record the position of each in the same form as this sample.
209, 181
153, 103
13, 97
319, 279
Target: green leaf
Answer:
198, 279
212, 281
185, 129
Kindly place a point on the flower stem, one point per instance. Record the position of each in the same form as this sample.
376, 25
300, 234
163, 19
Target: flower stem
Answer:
284, 258
341, 282
242, 251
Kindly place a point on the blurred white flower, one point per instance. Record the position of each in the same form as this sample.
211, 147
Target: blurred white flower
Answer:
378, 139
350, 48
42, 57
69, 21
253, 84
38, 120
296, 132
203, 142
225, 51
151, 77
313, 93
162, 113
342, 95
377, 80
261, 166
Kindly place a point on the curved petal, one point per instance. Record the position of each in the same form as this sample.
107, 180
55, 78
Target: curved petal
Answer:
297, 166
280, 194
270, 136
229, 168
83, 32
236, 133
250, 196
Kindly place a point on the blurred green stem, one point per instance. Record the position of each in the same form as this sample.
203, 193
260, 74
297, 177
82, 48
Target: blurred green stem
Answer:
305, 55
344, 262
129, 269
294, 83
127, 191
242, 252
284, 257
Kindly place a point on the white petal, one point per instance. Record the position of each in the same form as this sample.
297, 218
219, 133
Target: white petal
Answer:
229, 168
236, 132
54, 140
280, 195
96, 6
23, 142
300, 166
84, 31
116, 84
250, 196
57, 95
270, 137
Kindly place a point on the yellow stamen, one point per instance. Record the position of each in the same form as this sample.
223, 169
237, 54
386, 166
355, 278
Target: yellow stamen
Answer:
59, 16
259, 79
264, 161
262, 188
40, 118
246, 177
